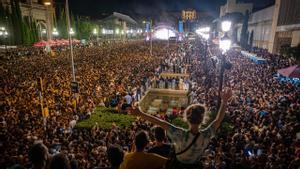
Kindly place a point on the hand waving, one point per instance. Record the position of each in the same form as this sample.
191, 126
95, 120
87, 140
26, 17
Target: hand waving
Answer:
133, 111
226, 95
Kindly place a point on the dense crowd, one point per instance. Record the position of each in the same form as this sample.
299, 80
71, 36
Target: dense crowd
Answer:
264, 113
102, 73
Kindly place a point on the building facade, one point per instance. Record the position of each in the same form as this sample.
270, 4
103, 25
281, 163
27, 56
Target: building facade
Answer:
42, 11
275, 26
233, 6
260, 23
119, 26
189, 18
286, 25
188, 15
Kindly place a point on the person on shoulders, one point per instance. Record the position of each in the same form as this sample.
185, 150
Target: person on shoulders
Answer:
160, 148
182, 138
141, 159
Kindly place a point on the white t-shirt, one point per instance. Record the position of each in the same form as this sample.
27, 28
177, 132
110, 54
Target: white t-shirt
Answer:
72, 124
128, 99
182, 139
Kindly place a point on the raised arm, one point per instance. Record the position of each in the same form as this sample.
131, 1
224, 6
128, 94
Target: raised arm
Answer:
135, 111
225, 96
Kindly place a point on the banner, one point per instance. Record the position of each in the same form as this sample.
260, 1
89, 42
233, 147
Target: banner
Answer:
148, 27
180, 26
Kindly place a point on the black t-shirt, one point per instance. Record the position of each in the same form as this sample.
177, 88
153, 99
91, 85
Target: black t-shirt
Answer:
163, 150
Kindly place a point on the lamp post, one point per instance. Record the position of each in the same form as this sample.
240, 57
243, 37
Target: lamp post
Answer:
70, 33
104, 34
95, 32
225, 45
47, 4
117, 31
204, 32
148, 32
151, 42
4, 34
55, 32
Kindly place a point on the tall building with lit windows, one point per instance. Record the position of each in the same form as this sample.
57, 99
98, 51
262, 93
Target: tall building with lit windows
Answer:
189, 15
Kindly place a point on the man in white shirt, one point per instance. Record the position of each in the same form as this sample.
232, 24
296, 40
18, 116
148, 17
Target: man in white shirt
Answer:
128, 99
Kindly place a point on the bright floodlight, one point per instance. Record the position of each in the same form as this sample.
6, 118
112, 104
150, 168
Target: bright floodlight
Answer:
122, 32
117, 31
103, 31
5, 33
44, 31
164, 34
226, 25
225, 44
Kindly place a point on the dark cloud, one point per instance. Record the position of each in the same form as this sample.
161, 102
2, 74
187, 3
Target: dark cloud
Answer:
150, 7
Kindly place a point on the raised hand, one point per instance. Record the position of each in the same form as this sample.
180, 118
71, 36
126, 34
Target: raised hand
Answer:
133, 111
226, 95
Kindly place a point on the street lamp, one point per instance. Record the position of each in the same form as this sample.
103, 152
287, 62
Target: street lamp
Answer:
95, 32
4, 34
204, 32
71, 32
47, 4
225, 41
117, 31
224, 44
226, 25
55, 32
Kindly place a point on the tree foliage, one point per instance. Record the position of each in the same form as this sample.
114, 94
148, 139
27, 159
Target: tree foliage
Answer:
83, 28
22, 30
291, 52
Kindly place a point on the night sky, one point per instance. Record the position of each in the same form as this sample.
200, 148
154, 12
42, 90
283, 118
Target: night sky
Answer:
95, 8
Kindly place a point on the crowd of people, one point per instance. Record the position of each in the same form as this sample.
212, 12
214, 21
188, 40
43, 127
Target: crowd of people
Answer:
102, 72
264, 113
174, 83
